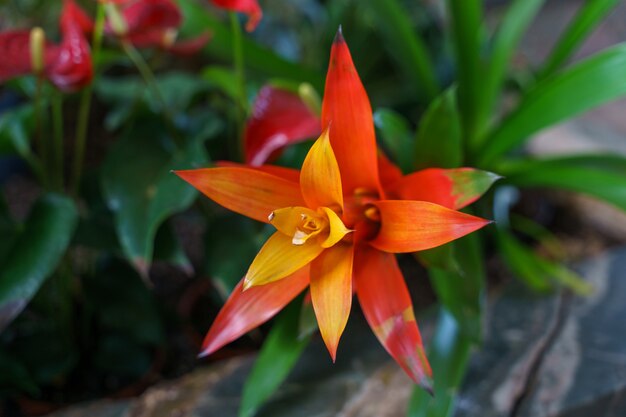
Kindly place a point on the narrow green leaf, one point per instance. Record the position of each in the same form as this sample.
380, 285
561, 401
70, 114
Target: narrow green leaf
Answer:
537, 272
406, 46
198, 18
277, 357
396, 135
223, 79
590, 83
589, 15
35, 254
603, 177
460, 287
448, 354
439, 137
141, 190
466, 23
514, 24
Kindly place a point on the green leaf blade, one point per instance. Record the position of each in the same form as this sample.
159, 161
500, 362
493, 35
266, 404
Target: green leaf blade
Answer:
36, 253
592, 82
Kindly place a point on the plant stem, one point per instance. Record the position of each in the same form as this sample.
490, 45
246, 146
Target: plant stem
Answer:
41, 143
85, 106
151, 82
57, 123
242, 101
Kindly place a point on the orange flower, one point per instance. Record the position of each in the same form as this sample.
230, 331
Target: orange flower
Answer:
338, 229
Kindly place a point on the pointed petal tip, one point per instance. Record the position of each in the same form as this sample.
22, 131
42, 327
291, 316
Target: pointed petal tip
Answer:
427, 385
339, 36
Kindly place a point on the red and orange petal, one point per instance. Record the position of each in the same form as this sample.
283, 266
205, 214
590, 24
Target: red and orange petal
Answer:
250, 8
331, 292
451, 188
279, 118
347, 110
387, 306
320, 179
246, 191
411, 226
186, 47
148, 15
245, 310
289, 174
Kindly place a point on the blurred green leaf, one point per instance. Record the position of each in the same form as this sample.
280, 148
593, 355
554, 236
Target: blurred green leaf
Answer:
277, 357
448, 354
168, 248
601, 176
16, 126
397, 137
230, 236
140, 188
439, 137
223, 79
406, 46
35, 254
466, 19
514, 24
198, 18
460, 287
8, 229
590, 83
537, 272
122, 304
589, 15
14, 377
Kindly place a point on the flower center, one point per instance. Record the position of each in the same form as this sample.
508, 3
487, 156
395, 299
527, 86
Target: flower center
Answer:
303, 224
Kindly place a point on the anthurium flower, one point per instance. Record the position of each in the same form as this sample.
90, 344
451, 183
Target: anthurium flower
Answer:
151, 23
337, 229
68, 65
248, 7
279, 117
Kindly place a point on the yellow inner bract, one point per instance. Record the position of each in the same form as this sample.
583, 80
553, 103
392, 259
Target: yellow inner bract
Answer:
302, 224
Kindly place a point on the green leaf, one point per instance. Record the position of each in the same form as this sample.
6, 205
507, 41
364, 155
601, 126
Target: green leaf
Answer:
589, 15
122, 305
223, 79
168, 248
277, 357
35, 254
600, 176
514, 24
588, 84
14, 377
406, 46
230, 236
16, 126
460, 287
199, 18
395, 133
467, 34
537, 272
439, 137
140, 188
448, 354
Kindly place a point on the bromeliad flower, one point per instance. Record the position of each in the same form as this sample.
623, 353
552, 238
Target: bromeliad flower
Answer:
248, 7
68, 65
337, 229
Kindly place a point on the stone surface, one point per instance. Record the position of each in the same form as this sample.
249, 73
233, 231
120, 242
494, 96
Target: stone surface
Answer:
560, 356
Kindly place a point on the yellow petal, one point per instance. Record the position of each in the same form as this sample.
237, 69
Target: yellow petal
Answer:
337, 229
278, 258
331, 292
300, 223
320, 180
